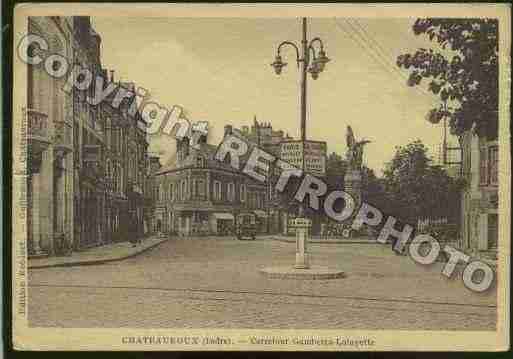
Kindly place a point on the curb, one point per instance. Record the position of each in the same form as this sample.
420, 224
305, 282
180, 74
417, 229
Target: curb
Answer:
95, 261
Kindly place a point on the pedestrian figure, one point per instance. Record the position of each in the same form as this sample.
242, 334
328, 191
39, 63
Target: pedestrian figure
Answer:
133, 232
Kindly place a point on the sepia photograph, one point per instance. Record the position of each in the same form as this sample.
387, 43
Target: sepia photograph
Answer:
250, 177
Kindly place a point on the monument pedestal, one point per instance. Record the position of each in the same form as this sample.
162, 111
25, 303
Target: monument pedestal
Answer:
353, 185
302, 268
302, 226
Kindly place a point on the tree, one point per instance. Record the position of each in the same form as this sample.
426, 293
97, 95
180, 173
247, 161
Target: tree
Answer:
335, 170
415, 188
468, 79
373, 189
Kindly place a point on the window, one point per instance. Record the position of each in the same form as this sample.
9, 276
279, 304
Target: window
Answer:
493, 162
193, 188
200, 162
121, 180
171, 192
483, 180
200, 188
184, 190
217, 190
243, 193
108, 169
160, 192
231, 192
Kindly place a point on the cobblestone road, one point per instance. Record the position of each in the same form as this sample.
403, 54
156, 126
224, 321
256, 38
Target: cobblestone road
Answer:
215, 283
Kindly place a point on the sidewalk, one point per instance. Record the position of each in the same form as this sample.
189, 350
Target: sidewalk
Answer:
364, 240
98, 255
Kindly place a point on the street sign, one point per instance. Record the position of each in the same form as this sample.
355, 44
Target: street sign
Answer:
313, 153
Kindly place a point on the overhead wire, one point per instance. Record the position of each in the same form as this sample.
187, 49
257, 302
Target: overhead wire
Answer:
386, 53
363, 40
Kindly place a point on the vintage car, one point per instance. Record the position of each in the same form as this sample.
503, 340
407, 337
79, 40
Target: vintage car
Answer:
246, 228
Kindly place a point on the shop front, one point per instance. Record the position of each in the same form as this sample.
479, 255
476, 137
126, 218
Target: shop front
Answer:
223, 224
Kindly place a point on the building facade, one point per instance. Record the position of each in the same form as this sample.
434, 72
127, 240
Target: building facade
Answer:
198, 195
270, 140
89, 144
86, 163
479, 197
49, 115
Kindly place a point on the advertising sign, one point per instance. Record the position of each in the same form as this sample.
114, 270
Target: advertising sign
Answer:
313, 153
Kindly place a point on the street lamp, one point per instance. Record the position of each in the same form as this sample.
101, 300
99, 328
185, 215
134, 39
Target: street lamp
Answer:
309, 61
314, 63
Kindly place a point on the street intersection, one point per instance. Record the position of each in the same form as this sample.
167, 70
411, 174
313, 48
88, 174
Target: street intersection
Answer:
215, 282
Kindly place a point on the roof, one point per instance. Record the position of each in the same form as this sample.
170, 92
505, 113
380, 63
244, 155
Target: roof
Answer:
208, 152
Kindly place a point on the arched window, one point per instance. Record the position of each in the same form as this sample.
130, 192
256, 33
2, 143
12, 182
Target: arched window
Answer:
217, 190
231, 191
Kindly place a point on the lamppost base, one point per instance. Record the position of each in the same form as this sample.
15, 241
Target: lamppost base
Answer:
302, 261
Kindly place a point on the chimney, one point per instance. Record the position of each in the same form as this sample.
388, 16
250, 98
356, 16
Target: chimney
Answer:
111, 75
227, 130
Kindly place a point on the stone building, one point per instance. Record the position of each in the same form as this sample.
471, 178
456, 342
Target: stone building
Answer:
150, 191
87, 163
49, 115
198, 195
479, 201
89, 143
264, 136
136, 162
126, 164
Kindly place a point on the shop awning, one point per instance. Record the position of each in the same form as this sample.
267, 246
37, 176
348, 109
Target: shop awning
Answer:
260, 213
224, 216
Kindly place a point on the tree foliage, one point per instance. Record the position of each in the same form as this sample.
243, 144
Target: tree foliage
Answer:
336, 167
468, 78
415, 188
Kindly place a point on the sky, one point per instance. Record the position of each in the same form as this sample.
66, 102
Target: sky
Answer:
218, 70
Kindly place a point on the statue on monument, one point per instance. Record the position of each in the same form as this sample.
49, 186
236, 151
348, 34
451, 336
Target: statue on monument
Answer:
354, 150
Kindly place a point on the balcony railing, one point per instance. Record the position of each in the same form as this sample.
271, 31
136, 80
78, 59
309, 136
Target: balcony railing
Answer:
37, 132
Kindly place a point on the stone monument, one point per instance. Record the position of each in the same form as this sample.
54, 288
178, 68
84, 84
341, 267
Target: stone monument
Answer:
353, 176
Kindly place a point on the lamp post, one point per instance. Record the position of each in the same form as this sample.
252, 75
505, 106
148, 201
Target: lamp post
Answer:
309, 61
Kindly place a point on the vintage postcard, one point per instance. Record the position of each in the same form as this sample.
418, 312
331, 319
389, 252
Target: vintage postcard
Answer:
261, 177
